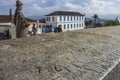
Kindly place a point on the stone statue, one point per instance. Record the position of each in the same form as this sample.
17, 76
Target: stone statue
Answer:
19, 19
11, 16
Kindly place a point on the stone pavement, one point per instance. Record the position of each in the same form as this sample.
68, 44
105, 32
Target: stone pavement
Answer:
76, 55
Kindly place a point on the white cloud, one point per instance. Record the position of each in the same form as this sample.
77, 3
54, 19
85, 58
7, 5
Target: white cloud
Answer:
43, 1
90, 7
27, 1
117, 0
42, 7
100, 7
6, 2
72, 6
12, 2
35, 6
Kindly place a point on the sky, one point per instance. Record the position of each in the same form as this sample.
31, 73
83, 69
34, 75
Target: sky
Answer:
103, 8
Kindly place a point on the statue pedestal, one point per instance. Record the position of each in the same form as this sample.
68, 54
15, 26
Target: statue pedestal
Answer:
13, 31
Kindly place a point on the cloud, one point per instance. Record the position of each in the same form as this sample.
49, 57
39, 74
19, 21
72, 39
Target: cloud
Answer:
72, 6
36, 6
27, 1
100, 7
12, 2
90, 7
6, 2
42, 7
117, 0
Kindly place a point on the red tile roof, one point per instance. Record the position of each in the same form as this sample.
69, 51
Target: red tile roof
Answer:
6, 19
64, 13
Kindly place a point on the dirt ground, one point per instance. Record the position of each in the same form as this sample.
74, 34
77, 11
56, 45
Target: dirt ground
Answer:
73, 55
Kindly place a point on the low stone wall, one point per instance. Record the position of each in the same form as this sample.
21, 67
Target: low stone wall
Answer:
114, 73
74, 55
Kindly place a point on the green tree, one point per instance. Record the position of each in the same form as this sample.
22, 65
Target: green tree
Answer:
111, 23
95, 16
86, 23
90, 23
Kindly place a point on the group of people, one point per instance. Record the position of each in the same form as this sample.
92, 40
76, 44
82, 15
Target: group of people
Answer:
39, 29
35, 30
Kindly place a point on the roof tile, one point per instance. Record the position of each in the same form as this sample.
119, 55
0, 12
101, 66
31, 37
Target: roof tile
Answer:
64, 13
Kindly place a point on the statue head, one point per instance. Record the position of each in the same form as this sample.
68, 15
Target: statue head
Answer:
19, 5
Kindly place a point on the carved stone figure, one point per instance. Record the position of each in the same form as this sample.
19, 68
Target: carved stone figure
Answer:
11, 16
19, 19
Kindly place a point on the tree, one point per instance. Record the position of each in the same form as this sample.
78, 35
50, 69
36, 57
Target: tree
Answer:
90, 23
95, 16
86, 23
111, 23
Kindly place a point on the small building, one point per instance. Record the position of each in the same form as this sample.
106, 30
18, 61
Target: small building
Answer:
6, 25
4, 19
38, 24
41, 23
7, 29
66, 20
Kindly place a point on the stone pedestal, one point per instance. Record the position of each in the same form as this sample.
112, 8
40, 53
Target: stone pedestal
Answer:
13, 31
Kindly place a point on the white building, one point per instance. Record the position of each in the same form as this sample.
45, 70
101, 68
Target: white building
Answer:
6, 25
67, 20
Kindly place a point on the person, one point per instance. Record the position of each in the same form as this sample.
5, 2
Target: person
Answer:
59, 28
7, 33
34, 29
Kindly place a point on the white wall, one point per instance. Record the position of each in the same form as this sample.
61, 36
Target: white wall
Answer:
80, 20
3, 29
12, 29
51, 22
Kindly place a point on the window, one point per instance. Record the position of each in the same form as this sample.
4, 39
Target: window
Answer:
52, 18
48, 18
64, 18
71, 18
64, 26
71, 26
74, 25
77, 25
77, 18
68, 26
74, 18
67, 18
60, 18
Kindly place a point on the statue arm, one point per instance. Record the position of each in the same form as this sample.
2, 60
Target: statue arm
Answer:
23, 18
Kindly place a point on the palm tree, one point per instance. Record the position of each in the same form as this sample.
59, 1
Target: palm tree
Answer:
95, 16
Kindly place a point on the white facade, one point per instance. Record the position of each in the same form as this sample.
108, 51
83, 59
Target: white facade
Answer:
68, 22
8, 26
